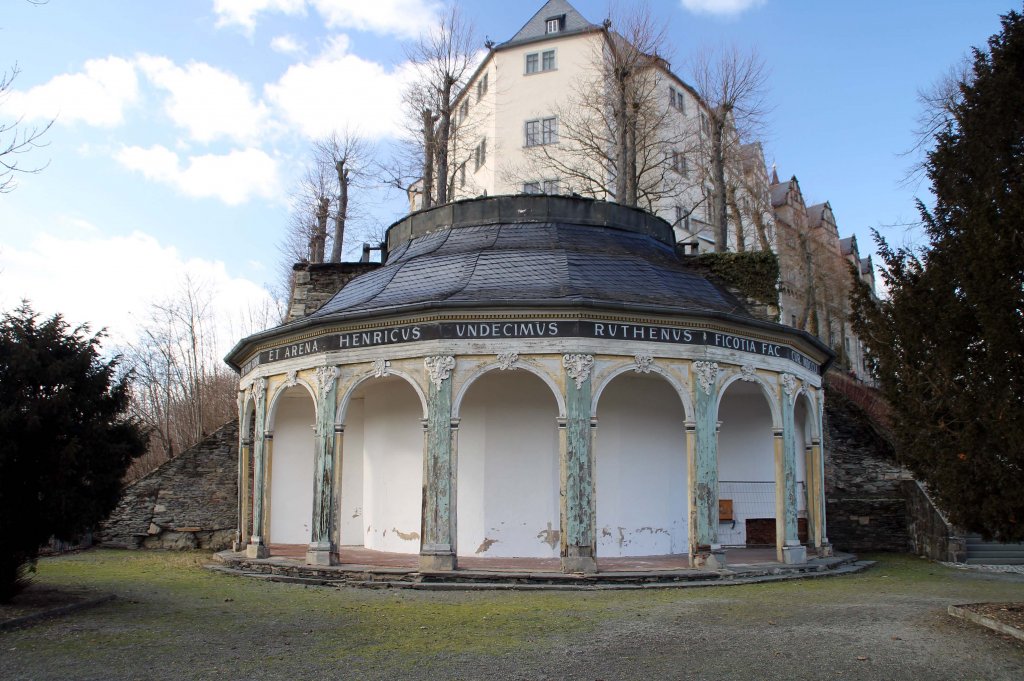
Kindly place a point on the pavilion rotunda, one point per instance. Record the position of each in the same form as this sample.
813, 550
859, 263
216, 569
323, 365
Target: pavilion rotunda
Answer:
531, 377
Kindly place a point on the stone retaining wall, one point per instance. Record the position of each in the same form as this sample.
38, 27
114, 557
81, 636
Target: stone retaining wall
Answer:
931, 535
188, 502
866, 505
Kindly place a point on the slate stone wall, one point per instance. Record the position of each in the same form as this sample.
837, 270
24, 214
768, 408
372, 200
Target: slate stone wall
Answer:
315, 284
931, 534
866, 504
188, 502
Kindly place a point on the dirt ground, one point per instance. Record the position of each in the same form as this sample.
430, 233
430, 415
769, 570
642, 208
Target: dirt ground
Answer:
173, 619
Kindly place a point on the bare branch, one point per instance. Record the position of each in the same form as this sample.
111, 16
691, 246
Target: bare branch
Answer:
17, 138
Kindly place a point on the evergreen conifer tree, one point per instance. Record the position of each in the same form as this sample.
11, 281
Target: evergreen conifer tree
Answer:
949, 341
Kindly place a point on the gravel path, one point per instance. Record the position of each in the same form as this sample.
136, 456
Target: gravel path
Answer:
172, 619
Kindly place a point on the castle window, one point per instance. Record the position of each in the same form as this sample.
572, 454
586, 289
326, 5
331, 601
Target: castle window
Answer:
480, 154
537, 62
540, 131
676, 99
551, 187
531, 188
481, 88
554, 24
679, 163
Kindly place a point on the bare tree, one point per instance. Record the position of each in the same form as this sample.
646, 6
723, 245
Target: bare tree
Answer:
937, 102
17, 139
181, 389
339, 164
732, 84
443, 59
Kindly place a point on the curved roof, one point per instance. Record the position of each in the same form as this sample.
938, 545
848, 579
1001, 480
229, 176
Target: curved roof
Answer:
598, 254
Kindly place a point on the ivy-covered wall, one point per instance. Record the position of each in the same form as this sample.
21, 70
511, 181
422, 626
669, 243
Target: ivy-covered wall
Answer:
752, 276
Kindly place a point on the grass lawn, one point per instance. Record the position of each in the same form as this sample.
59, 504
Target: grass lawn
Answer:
174, 619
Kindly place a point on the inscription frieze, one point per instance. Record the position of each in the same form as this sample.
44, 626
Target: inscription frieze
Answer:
539, 329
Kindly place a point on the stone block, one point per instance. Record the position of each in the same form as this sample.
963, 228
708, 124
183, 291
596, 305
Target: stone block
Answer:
794, 555
434, 562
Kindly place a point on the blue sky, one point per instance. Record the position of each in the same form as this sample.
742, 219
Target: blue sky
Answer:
182, 126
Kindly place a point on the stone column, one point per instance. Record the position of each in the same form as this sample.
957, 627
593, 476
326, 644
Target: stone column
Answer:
437, 542
257, 548
789, 548
339, 464
242, 531
705, 551
825, 548
811, 489
322, 549
577, 468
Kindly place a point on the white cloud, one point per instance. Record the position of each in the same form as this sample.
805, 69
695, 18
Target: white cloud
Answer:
404, 18
287, 44
243, 13
338, 90
125, 276
724, 7
234, 178
206, 101
97, 95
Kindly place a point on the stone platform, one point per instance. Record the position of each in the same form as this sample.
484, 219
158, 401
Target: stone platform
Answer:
379, 569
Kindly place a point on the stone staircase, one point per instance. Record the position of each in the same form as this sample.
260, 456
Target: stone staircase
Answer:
981, 552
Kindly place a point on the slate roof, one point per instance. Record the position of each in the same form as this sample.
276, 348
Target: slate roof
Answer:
535, 28
848, 246
530, 263
779, 192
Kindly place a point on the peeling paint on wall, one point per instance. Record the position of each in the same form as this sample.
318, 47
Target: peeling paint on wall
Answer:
550, 536
405, 536
486, 544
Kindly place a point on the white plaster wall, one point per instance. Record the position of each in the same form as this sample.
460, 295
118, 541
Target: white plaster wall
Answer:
508, 479
640, 460
392, 435
746, 457
291, 480
351, 510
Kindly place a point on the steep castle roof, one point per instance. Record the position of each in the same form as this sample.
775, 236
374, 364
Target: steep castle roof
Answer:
571, 21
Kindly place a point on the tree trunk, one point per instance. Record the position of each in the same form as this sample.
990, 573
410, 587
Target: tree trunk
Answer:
342, 215
319, 241
621, 182
444, 130
738, 220
427, 118
633, 182
721, 217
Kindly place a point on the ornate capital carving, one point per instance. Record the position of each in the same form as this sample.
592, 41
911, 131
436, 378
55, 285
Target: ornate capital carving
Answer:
381, 367
578, 367
259, 390
325, 378
293, 378
642, 363
439, 368
790, 386
748, 372
707, 373
507, 360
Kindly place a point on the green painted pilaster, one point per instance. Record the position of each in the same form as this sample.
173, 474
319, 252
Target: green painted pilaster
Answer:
437, 548
789, 543
704, 482
257, 548
321, 547
578, 468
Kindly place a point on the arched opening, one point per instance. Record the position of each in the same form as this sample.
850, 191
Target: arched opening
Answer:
508, 476
746, 467
382, 467
290, 467
640, 467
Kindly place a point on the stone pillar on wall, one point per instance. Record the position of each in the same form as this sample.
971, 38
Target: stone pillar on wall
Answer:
322, 549
437, 536
257, 548
705, 551
824, 547
244, 441
790, 551
577, 468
